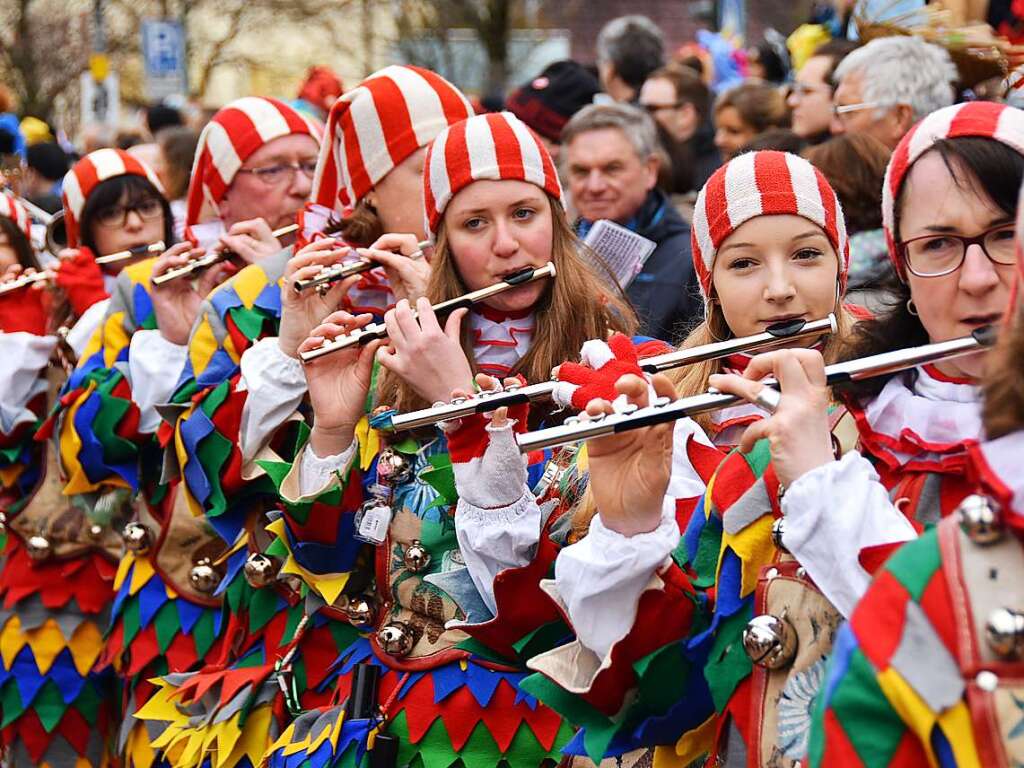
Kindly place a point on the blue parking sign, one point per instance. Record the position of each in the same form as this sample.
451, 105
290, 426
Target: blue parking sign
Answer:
163, 52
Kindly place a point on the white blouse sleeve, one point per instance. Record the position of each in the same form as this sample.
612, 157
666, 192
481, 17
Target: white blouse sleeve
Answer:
154, 367
276, 385
25, 356
602, 576
834, 512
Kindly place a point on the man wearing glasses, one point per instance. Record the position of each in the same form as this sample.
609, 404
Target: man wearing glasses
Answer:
888, 85
810, 96
680, 103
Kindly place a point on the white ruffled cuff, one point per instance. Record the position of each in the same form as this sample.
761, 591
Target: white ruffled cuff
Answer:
316, 473
276, 385
154, 367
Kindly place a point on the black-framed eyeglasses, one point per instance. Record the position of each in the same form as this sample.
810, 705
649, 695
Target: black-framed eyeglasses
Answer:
937, 255
148, 208
280, 173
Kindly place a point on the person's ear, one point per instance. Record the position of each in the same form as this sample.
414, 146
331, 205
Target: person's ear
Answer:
903, 115
651, 167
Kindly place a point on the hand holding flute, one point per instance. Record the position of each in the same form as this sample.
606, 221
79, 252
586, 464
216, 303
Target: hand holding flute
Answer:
177, 303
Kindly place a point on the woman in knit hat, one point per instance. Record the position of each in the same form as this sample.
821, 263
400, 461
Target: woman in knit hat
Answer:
451, 585
165, 617
769, 245
952, 701
60, 558
244, 380
913, 435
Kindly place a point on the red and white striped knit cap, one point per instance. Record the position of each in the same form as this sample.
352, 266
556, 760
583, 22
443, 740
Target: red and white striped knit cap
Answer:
15, 211
976, 118
227, 141
378, 124
86, 175
764, 183
498, 146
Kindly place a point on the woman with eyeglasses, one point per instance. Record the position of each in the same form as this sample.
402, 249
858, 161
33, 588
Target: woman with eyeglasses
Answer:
63, 548
165, 617
243, 400
954, 698
949, 208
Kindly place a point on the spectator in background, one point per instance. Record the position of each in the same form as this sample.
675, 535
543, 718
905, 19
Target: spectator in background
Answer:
769, 59
744, 111
610, 157
854, 164
886, 86
680, 104
178, 151
548, 101
810, 97
46, 164
160, 116
629, 48
96, 136
126, 139
778, 139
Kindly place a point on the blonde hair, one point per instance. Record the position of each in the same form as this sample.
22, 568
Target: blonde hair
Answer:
574, 307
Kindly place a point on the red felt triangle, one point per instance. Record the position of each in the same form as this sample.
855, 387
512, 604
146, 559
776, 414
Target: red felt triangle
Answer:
734, 478
705, 459
75, 729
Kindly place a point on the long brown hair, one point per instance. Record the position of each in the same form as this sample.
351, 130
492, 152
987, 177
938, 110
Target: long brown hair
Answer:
1003, 411
574, 307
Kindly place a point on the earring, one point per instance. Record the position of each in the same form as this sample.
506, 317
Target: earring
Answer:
911, 308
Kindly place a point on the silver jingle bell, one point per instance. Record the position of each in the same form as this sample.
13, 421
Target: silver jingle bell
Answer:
94, 532
396, 638
1004, 631
136, 538
770, 641
204, 577
360, 610
260, 570
3, 523
392, 468
778, 531
416, 557
38, 547
980, 520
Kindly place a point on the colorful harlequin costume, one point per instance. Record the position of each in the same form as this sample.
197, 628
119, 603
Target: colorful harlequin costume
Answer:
164, 616
453, 606
239, 398
929, 665
701, 565
59, 559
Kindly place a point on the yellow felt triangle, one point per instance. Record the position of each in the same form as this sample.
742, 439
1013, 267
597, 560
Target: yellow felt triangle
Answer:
9, 475
690, 746
138, 752
369, 443
12, 640
249, 284
253, 742
71, 445
46, 642
202, 346
753, 545
124, 566
328, 586
141, 575
86, 645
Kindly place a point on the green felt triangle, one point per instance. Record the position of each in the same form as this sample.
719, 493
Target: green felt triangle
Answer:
235, 593
89, 702
167, 625
759, 457
441, 478
49, 706
599, 729
543, 638
249, 321
10, 704
213, 453
262, 608
130, 619
477, 648
709, 546
203, 634
728, 664
215, 398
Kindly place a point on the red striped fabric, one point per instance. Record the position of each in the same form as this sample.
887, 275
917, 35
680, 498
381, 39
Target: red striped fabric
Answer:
377, 125
763, 184
90, 171
497, 146
232, 135
15, 211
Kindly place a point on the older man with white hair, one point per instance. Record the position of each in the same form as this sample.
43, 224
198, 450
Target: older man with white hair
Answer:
889, 84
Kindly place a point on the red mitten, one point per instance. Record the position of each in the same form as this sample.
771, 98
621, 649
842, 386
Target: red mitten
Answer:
81, 280
25, 310
603, 364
